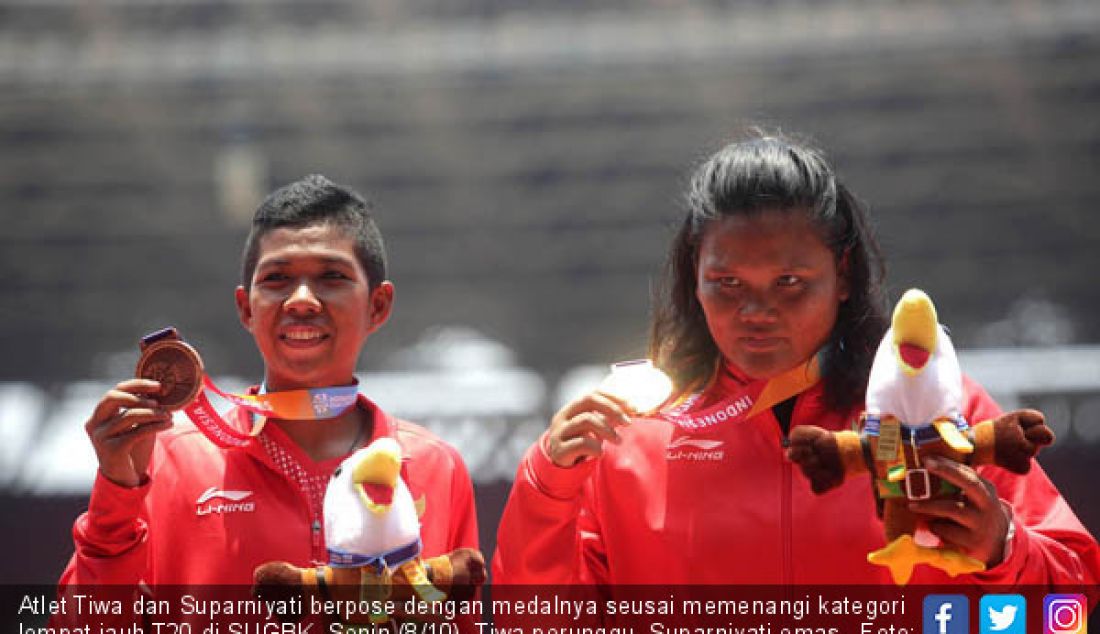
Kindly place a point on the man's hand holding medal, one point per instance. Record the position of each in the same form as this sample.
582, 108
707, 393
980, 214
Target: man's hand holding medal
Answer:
124, 424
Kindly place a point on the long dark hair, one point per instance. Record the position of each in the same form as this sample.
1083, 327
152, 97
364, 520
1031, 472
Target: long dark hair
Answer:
764, 174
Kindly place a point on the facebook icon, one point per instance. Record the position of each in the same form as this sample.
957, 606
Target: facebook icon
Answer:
946, 614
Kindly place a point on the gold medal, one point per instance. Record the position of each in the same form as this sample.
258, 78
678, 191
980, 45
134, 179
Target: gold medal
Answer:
165, 358
889, 440
638, 383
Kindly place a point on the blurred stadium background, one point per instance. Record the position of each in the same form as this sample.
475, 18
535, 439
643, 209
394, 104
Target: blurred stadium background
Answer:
526, 161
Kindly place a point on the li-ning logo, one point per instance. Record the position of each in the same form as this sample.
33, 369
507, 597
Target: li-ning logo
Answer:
215, 500
696, 449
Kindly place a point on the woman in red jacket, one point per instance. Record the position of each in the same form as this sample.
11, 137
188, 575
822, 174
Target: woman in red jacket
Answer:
770, 320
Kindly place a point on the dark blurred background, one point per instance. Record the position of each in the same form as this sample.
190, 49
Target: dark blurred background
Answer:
527, 162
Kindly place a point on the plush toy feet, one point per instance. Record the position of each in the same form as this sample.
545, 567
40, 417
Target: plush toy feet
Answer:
902, 554
899, 556
955, 563
418, 579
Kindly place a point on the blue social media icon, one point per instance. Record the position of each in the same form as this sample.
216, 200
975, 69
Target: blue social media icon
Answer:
1002, 614
946, 614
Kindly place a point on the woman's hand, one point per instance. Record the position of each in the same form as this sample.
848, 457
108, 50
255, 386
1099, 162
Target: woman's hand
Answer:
578, 431
975, 521
123, 428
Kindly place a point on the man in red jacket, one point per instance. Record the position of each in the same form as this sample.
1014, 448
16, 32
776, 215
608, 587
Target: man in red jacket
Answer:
170, 507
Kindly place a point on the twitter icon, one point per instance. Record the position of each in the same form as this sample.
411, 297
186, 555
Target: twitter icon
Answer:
1002, 614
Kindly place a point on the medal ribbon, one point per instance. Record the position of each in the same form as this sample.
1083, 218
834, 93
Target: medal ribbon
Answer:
748, 400
310, 404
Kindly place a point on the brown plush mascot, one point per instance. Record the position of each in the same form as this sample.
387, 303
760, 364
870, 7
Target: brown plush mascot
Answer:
913, 410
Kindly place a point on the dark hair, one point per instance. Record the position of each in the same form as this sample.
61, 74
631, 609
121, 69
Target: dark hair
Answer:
317, 200
759, 175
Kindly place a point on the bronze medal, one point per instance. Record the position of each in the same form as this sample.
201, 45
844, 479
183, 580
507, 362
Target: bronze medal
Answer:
176, 366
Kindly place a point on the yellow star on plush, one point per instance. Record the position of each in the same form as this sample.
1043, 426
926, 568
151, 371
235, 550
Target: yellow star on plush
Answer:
902, 554
899, 556
955, 563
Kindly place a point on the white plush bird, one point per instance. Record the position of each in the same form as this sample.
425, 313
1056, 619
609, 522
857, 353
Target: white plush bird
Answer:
914, 411
371, 521
916, 375
914, 406
368, 508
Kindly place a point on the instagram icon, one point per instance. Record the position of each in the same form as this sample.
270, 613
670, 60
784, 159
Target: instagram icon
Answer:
1065, 614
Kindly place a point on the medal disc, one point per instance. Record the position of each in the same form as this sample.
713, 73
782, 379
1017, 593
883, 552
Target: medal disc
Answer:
639, 383
178, 369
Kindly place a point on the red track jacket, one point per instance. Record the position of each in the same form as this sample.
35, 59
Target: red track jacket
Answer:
723, 505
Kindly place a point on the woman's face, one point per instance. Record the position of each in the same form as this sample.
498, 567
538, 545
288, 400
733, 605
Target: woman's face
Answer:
769, 288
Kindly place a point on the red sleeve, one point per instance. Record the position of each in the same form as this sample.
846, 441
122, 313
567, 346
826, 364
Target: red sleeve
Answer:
110, 550
1050, 545
441, 475
110, 537
549, 533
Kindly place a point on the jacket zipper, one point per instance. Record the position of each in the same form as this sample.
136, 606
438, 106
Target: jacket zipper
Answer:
318, 539
785, 520
786, 523
316, 525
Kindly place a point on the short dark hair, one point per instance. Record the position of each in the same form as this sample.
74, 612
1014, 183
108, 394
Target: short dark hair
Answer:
764, 174
317, 200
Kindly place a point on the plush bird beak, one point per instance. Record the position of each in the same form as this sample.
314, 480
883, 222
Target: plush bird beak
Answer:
375, 475
915, 329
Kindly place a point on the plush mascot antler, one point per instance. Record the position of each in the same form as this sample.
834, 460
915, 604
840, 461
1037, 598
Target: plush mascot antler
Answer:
914, 410
372, 530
